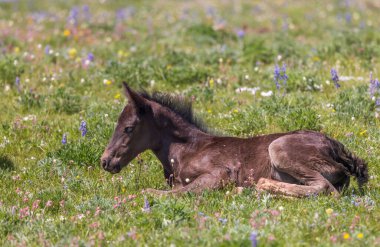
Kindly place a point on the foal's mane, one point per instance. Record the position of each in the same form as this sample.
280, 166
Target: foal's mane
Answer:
179, 105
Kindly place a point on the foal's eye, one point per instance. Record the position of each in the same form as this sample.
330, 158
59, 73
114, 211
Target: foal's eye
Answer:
128, 130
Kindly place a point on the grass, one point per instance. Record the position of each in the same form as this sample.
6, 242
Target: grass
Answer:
55, 194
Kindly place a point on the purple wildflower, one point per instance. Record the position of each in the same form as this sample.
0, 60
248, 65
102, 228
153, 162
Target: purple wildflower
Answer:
253, 238
240, 33
83, 128
17, 83
335, 77
86, 12
348, 17
223, 220
373, 86
146, 205
47, 49
90, 57
284, 76
277, 76
64, 139
73, 16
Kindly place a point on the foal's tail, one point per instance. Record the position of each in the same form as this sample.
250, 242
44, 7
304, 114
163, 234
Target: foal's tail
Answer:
354, 165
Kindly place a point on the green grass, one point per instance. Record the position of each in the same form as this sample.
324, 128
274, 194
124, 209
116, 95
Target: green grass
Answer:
192, 49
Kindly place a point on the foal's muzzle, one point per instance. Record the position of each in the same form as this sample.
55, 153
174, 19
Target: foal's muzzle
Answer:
108, 166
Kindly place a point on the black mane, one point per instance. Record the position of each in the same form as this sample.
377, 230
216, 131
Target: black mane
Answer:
179, 105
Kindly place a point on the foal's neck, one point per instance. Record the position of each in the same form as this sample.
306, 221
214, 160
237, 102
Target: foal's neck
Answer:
179, 141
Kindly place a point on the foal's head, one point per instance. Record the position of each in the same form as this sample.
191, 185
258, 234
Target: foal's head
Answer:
135, 132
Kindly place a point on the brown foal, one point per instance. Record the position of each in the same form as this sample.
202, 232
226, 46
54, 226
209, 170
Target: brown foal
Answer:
298, 163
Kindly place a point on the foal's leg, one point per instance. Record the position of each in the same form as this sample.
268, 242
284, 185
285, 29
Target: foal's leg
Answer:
295, 190
208, 181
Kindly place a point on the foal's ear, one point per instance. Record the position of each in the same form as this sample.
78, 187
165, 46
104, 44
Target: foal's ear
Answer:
134, 98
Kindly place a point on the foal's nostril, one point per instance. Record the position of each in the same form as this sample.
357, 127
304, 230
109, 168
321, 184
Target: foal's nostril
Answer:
105, 163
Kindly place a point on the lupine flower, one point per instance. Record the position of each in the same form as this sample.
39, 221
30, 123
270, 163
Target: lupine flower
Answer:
284, 76
73, 16
90, 57
83, 128
64, 139
240, 33
373, 86
335, 77
146, 205
86, 12
253, 238
17, 83
277, 76
47, 49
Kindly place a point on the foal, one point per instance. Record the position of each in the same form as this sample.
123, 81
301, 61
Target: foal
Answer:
297, 163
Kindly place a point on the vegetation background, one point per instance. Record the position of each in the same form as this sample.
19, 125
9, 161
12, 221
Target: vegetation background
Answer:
62, 63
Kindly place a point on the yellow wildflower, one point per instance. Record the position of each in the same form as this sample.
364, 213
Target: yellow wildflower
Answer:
329, 211
117, 96
360, 235
169, 66
72, 52
66, 33
122, 54
209, 111
362, 133
107, 82
346, 235
211, 82
16, 49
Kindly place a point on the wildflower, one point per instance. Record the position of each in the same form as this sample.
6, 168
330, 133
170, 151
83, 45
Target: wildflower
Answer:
253, 238
80, 216
360, 235
277, 76
240, 33
72, 52
47, 49
223, 220
64, 139
49, 203
329, 211
83, 128
284, 76
146, 205
66, 33
97, 211
117, 96
17, 83
335, 77
107, 82
90, 57
346, 235
24, 212
73, 16
211, 82
62, 203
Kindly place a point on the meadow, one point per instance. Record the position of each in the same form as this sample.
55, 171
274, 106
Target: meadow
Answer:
249, 67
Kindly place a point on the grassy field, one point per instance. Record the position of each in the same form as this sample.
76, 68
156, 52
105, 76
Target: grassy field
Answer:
62, 63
